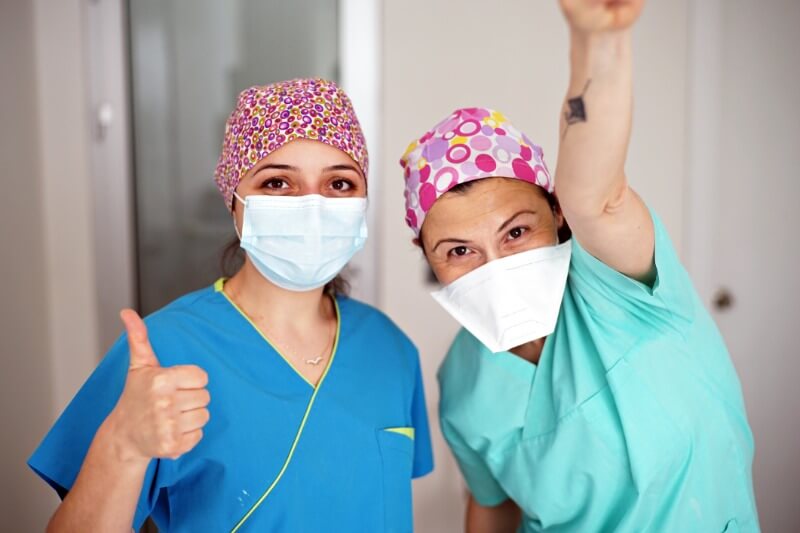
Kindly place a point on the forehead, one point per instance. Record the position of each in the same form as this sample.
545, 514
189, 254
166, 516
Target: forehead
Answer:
484, 205
308, 152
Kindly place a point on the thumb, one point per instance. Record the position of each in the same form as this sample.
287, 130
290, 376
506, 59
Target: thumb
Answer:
142, 353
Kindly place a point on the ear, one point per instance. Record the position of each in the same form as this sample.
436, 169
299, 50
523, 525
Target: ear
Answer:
416, 242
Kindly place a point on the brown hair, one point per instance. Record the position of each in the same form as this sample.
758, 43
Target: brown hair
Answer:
232, 259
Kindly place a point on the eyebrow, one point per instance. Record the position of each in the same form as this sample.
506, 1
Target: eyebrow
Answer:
341, 167
513, 217
454, 241
501, 228
277, 166
332, 168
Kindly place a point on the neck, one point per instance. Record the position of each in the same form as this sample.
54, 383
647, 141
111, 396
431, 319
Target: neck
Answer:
264, 301
530, 351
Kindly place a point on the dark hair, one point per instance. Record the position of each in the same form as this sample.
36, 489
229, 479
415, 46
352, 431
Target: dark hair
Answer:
232, 259
564, 233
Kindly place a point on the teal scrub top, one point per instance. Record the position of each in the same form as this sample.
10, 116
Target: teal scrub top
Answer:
632, 421
278, 454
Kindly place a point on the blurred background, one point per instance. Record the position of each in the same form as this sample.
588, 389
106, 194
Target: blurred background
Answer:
111, 118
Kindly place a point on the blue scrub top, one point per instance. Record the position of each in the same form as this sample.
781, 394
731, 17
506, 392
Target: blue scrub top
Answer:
632, 421
338, 457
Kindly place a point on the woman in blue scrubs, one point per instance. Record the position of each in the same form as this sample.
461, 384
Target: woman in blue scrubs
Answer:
589, 390
268, 401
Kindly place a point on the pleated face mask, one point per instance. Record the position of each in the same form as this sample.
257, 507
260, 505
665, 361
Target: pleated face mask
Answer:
510, 301
301, 243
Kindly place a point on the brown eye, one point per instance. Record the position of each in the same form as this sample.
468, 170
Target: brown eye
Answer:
341, 185
517, 232
459, 251
275, 184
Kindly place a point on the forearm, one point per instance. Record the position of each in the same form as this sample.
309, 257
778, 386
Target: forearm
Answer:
503, 518
595, 123
105, 494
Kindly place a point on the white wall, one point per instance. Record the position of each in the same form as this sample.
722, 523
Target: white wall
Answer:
512, 56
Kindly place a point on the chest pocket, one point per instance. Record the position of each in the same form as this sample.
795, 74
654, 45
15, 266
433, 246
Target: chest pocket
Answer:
396, 447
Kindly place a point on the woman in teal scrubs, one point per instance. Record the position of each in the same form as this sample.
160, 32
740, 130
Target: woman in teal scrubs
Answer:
269, 401
589, 389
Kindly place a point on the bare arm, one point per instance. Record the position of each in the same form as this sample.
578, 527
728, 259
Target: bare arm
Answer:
105, 493
160, 413
607, 217
503, 518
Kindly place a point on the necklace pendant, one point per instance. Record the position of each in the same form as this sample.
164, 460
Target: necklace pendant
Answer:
314, 361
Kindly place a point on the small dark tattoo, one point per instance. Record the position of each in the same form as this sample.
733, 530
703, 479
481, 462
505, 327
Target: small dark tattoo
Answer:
576, 111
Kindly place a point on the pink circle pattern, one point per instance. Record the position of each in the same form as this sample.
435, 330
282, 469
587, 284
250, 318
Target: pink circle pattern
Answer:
267, 117
465, 145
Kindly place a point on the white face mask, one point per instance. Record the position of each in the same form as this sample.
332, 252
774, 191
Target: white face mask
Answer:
513, 300
300, 243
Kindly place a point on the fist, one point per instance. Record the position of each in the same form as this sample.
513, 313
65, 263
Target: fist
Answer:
601, 15
162, 411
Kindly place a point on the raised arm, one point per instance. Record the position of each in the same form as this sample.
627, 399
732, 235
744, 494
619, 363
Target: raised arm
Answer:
606, 216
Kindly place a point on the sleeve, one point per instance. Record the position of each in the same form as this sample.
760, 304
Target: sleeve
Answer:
59, 457
480, 481
618, 300
423, 453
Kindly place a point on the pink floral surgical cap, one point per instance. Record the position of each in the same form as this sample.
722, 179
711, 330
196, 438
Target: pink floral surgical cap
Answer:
267, 117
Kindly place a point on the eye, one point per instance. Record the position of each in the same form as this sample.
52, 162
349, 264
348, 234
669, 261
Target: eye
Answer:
342, 185
516, 233
275, 184
458, 251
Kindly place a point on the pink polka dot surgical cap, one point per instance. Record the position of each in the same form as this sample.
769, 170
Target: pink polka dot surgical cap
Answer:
470, 144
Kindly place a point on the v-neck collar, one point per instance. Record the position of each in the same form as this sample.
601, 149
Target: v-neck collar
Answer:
218, 287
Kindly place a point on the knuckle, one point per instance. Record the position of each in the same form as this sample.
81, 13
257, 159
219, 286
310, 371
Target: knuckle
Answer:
163, 403
161, 382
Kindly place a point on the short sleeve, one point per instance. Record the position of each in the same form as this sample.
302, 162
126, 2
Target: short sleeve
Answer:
616, 298
481, 483
59, 457
423, 454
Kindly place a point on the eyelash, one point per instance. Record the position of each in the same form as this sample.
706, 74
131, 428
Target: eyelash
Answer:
267, 184
349, 183
452, 251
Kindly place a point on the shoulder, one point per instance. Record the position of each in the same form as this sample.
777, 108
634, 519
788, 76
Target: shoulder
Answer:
363, 319
192, 306
182, 331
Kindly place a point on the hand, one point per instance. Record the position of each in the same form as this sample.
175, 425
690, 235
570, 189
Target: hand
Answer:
161, 411
594, 16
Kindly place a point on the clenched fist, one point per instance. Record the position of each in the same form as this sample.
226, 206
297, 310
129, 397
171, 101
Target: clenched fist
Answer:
161, 411
591, 16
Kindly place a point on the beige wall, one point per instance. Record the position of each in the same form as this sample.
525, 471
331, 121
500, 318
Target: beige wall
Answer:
48, 334
510, 55
25, 393
436, 56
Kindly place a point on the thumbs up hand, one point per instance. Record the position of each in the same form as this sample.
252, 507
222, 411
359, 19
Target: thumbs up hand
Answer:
161, 411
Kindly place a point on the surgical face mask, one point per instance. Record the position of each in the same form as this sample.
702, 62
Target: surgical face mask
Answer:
301, 243
513, 300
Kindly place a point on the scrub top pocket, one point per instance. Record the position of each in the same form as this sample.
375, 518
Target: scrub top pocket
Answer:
396, 447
